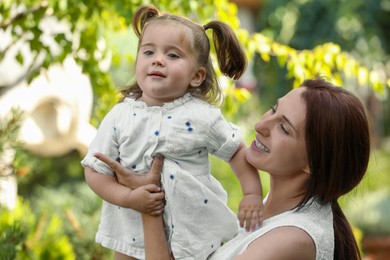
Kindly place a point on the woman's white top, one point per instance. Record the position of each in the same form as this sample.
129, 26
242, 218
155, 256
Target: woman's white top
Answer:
185, 131
315, 219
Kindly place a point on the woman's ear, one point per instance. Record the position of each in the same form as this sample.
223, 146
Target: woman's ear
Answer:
306, 169
198, 78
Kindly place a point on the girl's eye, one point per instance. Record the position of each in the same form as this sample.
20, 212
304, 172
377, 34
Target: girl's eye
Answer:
173, 55
148, 53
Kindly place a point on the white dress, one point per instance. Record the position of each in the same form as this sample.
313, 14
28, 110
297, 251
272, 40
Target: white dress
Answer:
315, 219
185, 131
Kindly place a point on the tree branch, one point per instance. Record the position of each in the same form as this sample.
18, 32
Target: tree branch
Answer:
4, 25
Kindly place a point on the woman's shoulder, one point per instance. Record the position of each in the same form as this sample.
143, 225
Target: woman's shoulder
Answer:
309, 228
285, 242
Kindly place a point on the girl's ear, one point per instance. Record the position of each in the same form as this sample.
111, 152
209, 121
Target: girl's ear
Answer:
198, 78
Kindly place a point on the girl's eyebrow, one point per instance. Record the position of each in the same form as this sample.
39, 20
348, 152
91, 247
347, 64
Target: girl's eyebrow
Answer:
146, 44
170, 47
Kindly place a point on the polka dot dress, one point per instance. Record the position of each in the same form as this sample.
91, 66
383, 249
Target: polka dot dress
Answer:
186, 131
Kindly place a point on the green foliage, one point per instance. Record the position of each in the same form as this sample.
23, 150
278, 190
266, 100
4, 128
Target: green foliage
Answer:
91, 22
371, 214
350, 36
51, 171
9, 127
11, 240
57, 225
63, 218
326, 60
359, 26
368, 207
26, 237
78, 207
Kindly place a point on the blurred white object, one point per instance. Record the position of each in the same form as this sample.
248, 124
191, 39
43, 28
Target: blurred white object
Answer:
8, 191
57, 106
8, 183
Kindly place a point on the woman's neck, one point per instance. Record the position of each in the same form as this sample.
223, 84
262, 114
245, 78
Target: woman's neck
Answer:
284, 195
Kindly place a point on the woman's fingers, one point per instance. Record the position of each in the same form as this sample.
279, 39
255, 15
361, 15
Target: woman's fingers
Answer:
153, 176
157, 164
107, 160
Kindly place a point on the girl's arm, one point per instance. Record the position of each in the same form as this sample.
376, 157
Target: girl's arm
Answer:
146, 198
251, 206
156, 245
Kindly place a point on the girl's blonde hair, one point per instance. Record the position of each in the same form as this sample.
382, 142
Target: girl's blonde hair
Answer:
230, 55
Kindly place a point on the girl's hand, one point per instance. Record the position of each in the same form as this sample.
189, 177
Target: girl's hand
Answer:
148, 199
250, 213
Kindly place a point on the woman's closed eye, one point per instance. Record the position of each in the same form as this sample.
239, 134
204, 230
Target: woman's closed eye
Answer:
281, 126
284, 130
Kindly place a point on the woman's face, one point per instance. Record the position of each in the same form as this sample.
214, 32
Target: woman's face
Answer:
279, 147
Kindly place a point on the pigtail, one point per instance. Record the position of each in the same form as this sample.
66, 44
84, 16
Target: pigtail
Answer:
142, 16
345, 243
231, 57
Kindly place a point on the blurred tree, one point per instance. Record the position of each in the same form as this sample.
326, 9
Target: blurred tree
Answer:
359, 27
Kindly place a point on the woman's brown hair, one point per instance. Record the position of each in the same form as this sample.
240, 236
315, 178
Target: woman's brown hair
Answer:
338, 150
231, 57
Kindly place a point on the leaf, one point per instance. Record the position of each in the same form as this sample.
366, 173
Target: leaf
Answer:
19, 57
362, 75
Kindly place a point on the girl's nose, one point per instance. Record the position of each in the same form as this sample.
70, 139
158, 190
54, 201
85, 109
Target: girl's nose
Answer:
158, 61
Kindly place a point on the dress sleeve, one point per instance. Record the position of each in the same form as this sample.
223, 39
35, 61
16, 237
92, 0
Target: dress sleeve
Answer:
224, 137
104, 142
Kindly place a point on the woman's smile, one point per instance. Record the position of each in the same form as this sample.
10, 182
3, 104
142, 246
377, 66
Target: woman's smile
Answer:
258, 146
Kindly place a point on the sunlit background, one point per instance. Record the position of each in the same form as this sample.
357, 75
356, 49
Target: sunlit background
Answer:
63, 62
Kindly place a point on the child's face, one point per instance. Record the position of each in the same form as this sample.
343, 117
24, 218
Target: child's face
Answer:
166, 64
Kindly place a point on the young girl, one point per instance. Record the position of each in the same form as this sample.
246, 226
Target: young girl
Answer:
169, 110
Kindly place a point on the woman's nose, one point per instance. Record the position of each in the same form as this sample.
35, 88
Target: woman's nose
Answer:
263, 127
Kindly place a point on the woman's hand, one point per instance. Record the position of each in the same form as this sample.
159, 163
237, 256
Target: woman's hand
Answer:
132, 179
145, 195
250, 212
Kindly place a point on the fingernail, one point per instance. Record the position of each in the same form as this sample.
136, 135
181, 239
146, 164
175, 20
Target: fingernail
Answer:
158, 156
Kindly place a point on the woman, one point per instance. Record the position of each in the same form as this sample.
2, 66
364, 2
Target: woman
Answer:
315, 144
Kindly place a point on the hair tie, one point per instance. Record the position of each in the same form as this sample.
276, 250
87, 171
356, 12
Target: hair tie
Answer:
205, 27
